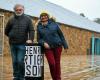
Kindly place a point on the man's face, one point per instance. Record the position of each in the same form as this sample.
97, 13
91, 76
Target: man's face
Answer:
19, 10
44, 18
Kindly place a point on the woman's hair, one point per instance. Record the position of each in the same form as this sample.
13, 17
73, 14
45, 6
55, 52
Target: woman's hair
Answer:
53, 19
44, 14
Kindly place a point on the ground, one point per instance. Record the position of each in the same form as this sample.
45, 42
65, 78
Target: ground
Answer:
74, 67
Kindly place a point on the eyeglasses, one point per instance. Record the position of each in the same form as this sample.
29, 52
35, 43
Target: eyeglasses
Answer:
44, 16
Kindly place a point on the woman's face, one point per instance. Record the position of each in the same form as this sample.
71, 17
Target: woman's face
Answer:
44, 18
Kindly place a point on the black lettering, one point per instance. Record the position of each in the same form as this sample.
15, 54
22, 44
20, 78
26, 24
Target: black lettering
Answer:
30, 57
34, 70
25, 59
28, 71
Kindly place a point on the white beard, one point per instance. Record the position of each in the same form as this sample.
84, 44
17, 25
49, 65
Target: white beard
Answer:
18, 14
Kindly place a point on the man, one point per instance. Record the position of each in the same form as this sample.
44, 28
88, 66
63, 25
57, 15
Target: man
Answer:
19, 30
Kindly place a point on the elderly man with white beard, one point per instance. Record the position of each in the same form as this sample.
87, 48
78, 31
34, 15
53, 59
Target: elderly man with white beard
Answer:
20, 31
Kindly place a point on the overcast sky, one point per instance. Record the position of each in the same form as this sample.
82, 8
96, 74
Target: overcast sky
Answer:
91, 8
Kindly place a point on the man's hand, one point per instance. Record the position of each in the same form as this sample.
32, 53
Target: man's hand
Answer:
29, 41
46, 45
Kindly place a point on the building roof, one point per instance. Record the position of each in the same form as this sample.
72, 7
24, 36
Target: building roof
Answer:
62, 15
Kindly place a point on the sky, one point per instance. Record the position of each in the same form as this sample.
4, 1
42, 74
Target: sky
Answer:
91, 8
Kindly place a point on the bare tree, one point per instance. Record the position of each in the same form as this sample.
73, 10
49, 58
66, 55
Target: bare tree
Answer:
97, 20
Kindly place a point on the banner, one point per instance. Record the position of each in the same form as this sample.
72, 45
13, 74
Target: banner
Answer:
34, 62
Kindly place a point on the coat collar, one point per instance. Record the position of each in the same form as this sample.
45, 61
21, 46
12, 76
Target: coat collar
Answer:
18, 17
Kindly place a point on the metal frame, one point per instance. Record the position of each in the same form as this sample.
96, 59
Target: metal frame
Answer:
3, 17
93, 51
3, 33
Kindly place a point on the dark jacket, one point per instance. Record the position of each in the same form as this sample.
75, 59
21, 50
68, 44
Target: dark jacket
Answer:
19, 29
51, 34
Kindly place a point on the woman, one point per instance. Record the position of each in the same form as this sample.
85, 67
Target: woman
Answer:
52, 39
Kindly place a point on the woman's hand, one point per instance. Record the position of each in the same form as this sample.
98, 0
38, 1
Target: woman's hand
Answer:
46, 45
